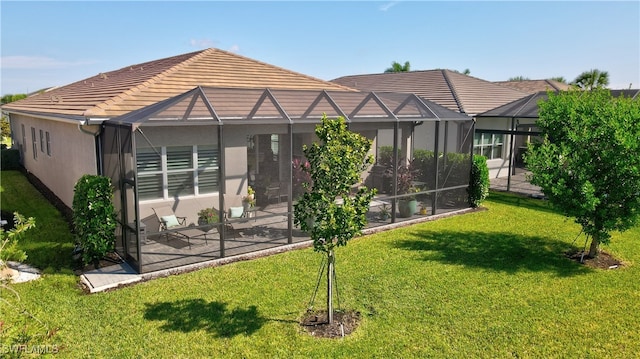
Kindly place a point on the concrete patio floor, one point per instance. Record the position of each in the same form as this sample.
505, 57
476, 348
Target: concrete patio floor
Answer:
123, 274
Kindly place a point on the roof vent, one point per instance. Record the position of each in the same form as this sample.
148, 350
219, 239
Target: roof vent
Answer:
103, 76
56, 99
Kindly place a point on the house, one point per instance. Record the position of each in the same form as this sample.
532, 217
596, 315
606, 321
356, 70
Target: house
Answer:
534, 86
62, 126
190, 133
523, 114
458, 92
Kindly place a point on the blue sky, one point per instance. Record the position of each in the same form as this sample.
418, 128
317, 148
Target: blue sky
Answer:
55, 43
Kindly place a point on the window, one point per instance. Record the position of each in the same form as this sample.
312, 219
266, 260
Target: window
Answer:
41, 141
34, 143
174, 171
48, 144
488, 145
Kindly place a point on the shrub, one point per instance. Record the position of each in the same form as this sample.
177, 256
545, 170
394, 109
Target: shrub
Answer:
479, 181
10, 159
94, 217
9, 250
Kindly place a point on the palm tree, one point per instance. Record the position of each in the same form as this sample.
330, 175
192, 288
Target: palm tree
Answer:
559, 79
397, 67
592, 79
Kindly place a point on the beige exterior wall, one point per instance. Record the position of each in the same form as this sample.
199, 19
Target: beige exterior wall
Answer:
187, 206
72, 153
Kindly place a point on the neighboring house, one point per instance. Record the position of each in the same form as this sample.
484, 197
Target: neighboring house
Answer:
458, 92
534, 86
193, 131
523, 114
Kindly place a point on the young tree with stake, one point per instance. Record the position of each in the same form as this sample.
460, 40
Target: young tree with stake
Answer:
328, 211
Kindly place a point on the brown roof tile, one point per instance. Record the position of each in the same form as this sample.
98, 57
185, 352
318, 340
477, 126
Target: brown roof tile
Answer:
447, 88
533, 86
117, 92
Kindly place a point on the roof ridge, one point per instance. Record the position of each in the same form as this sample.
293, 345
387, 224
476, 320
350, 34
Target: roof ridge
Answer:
281, 68
119, 98
386, 73
453, 89
552, 84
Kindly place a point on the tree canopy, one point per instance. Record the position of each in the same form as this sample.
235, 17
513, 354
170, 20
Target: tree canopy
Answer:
5, 127
519, 78
397, 67
592, 79
336, 164
559, 79
588, 164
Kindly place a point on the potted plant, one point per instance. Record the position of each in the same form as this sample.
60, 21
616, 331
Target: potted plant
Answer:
208, 216
408, 205
249, 200
384, 213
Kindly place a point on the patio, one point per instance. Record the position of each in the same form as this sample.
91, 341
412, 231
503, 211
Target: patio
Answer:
202, 150
267, 229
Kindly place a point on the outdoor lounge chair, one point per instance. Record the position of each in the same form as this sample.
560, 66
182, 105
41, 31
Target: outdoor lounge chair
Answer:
172, 226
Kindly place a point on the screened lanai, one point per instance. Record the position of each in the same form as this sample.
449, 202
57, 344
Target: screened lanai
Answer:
234, 156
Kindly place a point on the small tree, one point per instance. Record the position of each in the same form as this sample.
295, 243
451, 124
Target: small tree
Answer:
327, 211
588, 164
9, 250
94, 217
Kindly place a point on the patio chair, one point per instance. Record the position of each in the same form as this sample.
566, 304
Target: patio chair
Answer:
172, 225
277, 191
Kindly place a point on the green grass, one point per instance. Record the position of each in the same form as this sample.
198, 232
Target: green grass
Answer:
491, 284
50, 243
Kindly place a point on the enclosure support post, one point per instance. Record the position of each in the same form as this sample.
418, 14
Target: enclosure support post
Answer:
436, 145
511, 146
222, 181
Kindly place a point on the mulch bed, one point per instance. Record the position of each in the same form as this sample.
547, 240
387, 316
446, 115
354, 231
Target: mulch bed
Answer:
603, 260
317, 324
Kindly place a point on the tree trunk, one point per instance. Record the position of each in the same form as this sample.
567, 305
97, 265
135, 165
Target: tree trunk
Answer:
330, 269
595, 242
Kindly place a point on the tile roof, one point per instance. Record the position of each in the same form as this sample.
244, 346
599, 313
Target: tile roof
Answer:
447, 88
533, 86
118, 92
527, 107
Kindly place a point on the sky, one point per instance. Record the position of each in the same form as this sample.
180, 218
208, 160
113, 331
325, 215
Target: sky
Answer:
54, 43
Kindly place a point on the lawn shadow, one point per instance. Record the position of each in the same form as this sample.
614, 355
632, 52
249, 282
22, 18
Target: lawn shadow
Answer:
197, 314
501, 251
518, 200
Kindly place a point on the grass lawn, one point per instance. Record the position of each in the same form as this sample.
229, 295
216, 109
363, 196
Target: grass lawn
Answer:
491, 284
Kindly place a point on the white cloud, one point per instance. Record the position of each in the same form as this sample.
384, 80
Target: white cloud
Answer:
39, 62
388, 6
234, 48
202, 43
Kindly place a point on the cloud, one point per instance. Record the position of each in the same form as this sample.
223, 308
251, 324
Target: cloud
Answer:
234, 48
39, 62
202, 43
388, 6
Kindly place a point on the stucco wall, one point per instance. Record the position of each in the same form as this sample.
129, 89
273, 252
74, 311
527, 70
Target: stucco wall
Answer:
73, 153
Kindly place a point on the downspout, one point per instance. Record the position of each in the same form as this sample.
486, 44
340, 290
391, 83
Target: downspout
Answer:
96, 135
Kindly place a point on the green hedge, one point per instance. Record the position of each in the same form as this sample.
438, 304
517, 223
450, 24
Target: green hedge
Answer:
479, 181
10, 159
94, 217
